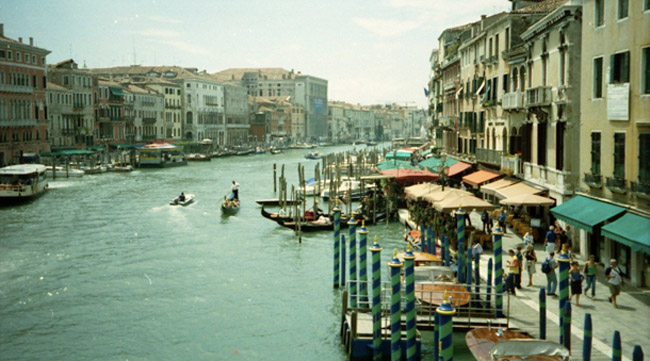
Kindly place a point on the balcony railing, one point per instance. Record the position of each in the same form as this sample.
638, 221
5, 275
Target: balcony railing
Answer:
18, 123
148, 120
117, 119
514, 163
68, 131
640, 189
77, 106
513, 101
616, 185
489, 156
25, 89
594, 180
538, 96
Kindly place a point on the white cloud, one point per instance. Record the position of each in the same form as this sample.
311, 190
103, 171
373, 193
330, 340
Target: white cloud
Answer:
165, 19
161, 33
185, 47
387, 27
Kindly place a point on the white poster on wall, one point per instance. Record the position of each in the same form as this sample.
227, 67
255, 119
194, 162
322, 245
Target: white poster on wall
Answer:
618, 101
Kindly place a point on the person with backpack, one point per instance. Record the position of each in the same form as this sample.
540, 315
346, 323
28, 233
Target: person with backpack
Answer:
531, 259
548, 267
502, 220
591, 272
615, 280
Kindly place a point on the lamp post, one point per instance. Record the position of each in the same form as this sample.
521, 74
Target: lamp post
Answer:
441, 169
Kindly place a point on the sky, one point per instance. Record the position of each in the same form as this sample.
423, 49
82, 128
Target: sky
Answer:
369, 51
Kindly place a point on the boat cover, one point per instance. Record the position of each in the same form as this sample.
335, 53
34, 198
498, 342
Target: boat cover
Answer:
525, 348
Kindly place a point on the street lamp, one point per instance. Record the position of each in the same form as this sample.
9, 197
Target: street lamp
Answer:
441, 169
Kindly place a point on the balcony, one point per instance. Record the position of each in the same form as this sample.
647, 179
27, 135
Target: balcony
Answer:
102, 119
18, 123
513, 163
489, 156
594, 180
557, 180
538, 96
640, 189
68, 131
169, 106
513, 101
117, 119
24, 89
148, 120
616, 185
450, 85
77, 106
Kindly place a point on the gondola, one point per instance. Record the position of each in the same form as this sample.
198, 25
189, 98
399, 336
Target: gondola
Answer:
230, 205
503, 344
315, 226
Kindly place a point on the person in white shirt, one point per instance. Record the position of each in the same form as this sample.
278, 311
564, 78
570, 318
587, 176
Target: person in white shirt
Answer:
235, 190
615, 281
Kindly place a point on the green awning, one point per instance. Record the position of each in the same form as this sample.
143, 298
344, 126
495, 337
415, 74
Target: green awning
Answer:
97, 148
631, 230
116, 91
67, 152
394, 164
431, 163
399, 155
585, 213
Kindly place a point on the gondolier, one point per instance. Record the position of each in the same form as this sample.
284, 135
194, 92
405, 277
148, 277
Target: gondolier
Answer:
235, 190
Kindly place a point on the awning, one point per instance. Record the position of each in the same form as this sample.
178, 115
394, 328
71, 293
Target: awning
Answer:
411, 175
377, 176
394, 164
585, 213
491, 188
97, 148
631, 230
419, 190
515, 190
431, 163
479, 177
478, 91
457, 169
526, 199
116, 91
67, 152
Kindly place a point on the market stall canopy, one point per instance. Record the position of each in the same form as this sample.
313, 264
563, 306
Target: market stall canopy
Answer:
515, 190
411, 175
439, 195
491, 188
416, 191
631, 230
479, 177
457, 168
404, 153
527, 200
585, 213
431, 163
395, 164
467, 202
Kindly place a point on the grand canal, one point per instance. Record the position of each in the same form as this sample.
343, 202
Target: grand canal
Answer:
102, 268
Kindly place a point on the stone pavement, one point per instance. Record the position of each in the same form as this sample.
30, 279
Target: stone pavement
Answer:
631, 319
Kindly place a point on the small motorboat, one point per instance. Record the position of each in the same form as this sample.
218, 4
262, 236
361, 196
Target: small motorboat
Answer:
495, 343
314, 155
198, 157
61, 172
189, 198
123, 168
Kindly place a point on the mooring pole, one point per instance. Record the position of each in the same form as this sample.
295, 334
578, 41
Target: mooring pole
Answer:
395, 313
352, 224
375, 250
460, 248
498, 270
409, 309
586, 340
363, 263
542, 314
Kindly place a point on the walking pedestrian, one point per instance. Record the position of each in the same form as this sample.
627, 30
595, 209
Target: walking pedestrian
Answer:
549, 242
484, 219
513, 269
591, 273
531, 259
615, 281
520, 259
528, 239
502, 220
551, 276
576, 281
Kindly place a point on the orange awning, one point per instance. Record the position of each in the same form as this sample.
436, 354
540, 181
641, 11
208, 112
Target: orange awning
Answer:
492, 187
479, 177
457, 168
515, 190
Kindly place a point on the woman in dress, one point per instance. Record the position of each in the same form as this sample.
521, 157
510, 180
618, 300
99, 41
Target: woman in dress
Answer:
576, 281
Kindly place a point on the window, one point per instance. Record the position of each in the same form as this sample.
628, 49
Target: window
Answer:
619, 68
18, 57
2, 54
599, 13
598, 78
619, 155
645, 72
646, 5
644, 158
33, 59
622, 9
27, 58
9, 55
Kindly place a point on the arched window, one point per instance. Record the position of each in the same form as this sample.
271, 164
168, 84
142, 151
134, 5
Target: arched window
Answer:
188, 118
522, 78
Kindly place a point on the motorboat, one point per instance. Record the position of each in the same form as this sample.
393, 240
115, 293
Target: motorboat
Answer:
314, 155
496, 343
189, 198
198, 157
22, 182
62, 172
348, 189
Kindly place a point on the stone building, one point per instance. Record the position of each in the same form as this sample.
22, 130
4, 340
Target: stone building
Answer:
23, 106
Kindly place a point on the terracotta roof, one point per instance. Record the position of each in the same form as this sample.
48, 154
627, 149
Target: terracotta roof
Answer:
541, 8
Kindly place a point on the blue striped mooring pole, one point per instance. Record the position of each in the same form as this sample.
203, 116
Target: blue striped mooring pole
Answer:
436, 336
409, 307
637, 353
375, 250
445, 316
566, 312
616, 346
488, 282
395, 313
498, 270
460, 247
363, 264
337, 240
586, 340
352, 224
564, 262
343, 262
542, 313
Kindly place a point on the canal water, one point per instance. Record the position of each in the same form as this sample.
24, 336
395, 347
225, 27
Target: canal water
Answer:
102, 268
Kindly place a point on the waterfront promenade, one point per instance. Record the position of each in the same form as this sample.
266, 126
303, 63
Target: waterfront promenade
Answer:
630, 319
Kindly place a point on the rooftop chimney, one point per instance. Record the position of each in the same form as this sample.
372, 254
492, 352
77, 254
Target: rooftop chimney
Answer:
31, 41
20, 40
483, 17
2, 29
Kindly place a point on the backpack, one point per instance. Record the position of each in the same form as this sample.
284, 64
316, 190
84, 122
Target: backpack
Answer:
546, 266
608, 270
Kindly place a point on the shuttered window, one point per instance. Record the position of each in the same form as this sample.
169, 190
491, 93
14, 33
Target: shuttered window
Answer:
619, 68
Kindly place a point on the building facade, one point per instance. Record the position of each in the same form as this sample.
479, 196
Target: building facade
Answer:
23, 105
